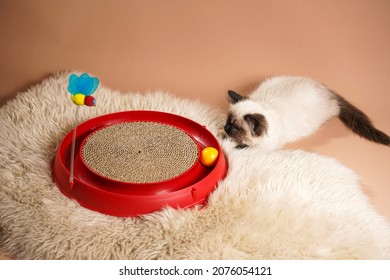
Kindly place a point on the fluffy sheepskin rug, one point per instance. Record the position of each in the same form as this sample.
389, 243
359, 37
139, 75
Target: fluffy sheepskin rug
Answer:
279, 205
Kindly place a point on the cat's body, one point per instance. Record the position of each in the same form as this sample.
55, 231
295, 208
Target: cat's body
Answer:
283, 109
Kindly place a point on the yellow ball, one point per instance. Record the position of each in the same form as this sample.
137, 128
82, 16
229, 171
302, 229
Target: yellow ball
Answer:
78, 99
209, 156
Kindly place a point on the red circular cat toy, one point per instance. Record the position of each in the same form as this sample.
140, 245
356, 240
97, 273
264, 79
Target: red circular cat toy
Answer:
132, 163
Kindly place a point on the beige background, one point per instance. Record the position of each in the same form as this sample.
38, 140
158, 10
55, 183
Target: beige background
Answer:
199, 49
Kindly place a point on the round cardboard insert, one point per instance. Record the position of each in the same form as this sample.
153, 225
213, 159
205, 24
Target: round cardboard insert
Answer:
139, 152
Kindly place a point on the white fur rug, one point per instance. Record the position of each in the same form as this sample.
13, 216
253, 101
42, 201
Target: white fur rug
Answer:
279, 205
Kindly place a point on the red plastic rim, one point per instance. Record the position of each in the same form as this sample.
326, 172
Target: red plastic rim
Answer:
132, 199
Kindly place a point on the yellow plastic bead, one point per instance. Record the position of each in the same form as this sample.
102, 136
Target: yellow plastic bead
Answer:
78, 99
209, 156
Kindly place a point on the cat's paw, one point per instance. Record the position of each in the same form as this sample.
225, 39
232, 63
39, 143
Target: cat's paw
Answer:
242, 146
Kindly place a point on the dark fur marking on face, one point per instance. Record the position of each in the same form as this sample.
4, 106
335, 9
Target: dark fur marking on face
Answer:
233, 130
231, 125
234, 97
257, 123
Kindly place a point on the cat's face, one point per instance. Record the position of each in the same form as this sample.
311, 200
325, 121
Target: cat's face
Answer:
245, 124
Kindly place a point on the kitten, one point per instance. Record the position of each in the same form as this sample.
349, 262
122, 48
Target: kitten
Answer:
283, 109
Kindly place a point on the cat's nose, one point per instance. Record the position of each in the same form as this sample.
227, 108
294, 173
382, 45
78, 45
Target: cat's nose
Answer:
228, 127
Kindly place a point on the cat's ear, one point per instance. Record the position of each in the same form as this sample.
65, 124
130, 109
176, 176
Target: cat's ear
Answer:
257, 123
234, 97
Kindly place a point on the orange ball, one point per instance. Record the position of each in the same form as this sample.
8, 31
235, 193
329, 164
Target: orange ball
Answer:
209, 156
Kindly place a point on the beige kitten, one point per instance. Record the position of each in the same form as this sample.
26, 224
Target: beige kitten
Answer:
283, 109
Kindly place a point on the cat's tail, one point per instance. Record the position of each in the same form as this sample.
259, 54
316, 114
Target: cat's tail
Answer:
359, 123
